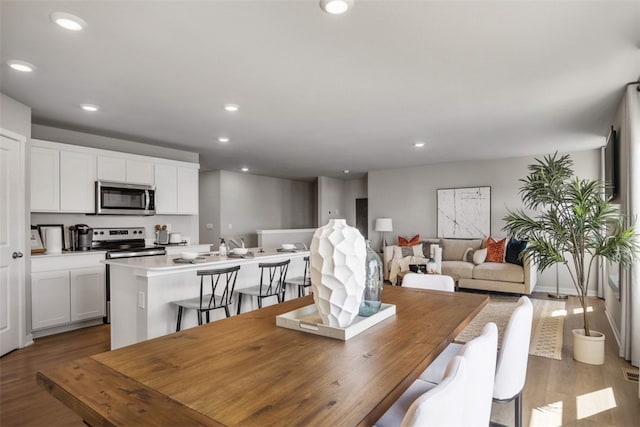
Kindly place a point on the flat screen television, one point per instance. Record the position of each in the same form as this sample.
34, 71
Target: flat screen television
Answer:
612, 165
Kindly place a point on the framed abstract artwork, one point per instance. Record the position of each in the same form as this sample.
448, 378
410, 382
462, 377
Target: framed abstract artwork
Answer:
464, 213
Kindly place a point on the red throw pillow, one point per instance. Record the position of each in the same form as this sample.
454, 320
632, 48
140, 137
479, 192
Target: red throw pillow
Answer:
404, 242
495, 250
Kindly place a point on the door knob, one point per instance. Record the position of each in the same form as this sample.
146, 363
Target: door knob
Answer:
17, 255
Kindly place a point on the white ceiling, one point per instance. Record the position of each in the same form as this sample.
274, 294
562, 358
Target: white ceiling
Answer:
321, 93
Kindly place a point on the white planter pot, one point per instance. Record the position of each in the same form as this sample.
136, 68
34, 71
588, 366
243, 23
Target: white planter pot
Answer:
337, 261
588, 349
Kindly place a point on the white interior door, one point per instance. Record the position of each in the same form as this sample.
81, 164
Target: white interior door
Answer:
12, 243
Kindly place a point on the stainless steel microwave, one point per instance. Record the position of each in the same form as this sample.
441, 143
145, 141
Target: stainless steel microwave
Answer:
118, 198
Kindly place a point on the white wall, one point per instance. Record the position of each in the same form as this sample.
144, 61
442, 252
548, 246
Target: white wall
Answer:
330, 200
337, 198
251, 202
352, 189
408, 196
210, 206
15, 116
66, 136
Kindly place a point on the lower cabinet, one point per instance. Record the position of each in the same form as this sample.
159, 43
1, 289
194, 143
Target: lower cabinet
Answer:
67, 296
50, 302
87, 293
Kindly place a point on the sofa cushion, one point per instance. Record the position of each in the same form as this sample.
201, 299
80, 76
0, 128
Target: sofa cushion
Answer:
458, 269
501, 272
495, 249
476, 256
426, 246
402, 241
453, 249
514, 248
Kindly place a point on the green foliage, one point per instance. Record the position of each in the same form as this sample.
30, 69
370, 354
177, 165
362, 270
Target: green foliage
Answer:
574, 224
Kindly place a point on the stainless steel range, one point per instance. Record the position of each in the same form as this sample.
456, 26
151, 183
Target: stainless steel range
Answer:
124, 242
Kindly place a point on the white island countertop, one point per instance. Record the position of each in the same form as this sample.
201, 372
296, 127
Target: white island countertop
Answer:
167, 264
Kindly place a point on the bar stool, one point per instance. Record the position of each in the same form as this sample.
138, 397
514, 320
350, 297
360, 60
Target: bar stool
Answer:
302, 282
211, 301
271, 285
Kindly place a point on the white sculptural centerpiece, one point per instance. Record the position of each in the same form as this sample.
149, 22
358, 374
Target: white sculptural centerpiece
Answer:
337, 258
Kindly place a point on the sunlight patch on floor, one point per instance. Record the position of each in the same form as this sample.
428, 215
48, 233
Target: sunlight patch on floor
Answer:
595, 402
579, 310
549, 415
559, 313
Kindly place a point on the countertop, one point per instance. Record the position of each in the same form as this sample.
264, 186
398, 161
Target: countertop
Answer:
166, 262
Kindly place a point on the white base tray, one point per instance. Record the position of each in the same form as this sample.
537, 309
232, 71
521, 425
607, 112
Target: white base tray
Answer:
307, 319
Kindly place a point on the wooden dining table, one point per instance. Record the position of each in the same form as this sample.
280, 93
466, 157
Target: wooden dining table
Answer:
246, 371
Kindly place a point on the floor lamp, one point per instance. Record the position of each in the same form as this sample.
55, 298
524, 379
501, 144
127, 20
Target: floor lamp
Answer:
557, 294
383, 225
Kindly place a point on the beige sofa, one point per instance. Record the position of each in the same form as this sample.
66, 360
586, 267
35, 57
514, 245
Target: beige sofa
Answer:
490, 276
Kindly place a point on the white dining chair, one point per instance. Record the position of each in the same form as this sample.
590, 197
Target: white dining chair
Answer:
434, 407
465, 403
511, 368
436, 282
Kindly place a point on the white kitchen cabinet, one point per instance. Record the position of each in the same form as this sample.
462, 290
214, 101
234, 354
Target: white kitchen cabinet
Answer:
188, 191
87, 293
45, 179
122, 169
140, 172
77, 182
176, 190
166, 189
63, 178
50, 303
67, 291
112, 169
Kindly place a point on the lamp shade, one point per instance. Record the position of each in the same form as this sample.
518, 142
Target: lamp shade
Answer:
384, 224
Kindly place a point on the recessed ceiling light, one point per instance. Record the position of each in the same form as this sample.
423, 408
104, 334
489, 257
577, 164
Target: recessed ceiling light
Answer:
335, 7
346, 171
90, 107
245, 169
223, 139
419, 144
232, 108
68, 21
23, 66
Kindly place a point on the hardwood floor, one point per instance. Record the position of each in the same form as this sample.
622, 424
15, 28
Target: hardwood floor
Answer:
22, 401
558, 392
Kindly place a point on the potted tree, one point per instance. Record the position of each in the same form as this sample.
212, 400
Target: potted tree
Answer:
574, 226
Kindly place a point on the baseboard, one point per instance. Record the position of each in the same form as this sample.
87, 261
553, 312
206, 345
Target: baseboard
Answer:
615, 331
572, 292
66, 328
27, 340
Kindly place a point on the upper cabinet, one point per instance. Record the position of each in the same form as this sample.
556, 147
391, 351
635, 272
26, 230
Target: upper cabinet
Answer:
176, 189
112, 169
166, 189
45, 179
121, 169
140, 172
77, 182
63, 178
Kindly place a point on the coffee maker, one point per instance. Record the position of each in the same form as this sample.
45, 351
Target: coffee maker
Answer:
81, 237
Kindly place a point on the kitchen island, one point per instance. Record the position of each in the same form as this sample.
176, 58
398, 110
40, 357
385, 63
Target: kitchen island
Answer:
143, 288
